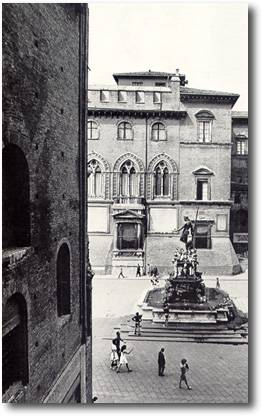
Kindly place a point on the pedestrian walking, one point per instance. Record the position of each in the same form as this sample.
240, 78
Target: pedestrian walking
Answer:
114, 356
161, 362
218, 283
117, 342
184, 368
123, 359
166, 312
154, 275
138, 270
121, 274
149, 270
137, 319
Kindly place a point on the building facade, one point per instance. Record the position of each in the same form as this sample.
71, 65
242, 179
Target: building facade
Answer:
46, 307
158, 151
239, 182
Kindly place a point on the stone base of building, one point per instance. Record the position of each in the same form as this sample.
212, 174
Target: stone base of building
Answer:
128, 266
221, 259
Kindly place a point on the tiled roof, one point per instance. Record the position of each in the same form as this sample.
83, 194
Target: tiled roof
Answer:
195, 91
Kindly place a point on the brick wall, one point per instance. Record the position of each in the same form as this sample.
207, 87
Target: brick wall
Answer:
41, 116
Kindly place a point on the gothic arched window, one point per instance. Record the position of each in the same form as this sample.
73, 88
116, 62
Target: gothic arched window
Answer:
158, 132
128, 179
95, 183
124, 131
161, 174
63, 280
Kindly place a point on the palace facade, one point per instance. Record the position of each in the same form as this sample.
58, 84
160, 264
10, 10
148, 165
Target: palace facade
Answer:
158, 151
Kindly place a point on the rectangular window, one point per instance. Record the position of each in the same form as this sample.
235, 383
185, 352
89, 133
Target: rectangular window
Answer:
202, 189
202, 236
137, 83
204, 131
157, 98
140, 97
127, 237
104, 96
122, 96
242, 147
160, 84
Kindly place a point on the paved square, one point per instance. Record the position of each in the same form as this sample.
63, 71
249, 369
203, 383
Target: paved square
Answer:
218, 373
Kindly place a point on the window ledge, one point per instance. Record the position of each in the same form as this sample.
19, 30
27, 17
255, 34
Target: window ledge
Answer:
11, 256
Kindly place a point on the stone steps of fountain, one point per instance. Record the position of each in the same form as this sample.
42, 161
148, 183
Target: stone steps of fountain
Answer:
166, 334
235, 341
194, 336
230, 341
223, 334
201, 329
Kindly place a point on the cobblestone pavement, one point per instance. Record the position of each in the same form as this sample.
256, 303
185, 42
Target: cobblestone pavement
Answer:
218, 373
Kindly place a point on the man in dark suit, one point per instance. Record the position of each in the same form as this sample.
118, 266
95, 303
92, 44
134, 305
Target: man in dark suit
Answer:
161, 362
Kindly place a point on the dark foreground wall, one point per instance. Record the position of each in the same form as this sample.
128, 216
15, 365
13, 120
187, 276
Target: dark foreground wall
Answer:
46, 319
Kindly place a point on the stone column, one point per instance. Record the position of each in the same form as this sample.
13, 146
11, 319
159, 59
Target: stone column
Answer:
139, 233
115, 235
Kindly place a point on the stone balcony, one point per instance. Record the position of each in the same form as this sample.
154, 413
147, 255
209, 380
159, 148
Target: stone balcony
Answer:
139, 253
128, 202
11, 256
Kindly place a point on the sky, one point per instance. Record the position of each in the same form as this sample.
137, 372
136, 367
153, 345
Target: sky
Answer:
208, 42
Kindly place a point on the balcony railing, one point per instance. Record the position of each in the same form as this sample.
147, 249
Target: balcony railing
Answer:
128, 200
128, 253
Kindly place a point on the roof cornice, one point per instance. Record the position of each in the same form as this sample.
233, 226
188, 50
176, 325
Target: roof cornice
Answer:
208, 98
123, 112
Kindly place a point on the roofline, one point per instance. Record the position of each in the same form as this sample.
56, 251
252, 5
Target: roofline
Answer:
145, 75
152, 74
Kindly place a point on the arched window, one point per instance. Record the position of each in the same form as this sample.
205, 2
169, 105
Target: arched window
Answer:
124, 131
158, 132
161, 173
63, 280
15, 339
95, 182
128, 179
204, 126
92, 130
16, 198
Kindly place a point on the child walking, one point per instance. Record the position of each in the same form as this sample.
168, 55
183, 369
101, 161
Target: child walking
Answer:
114, 356
123, 359
184, 368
